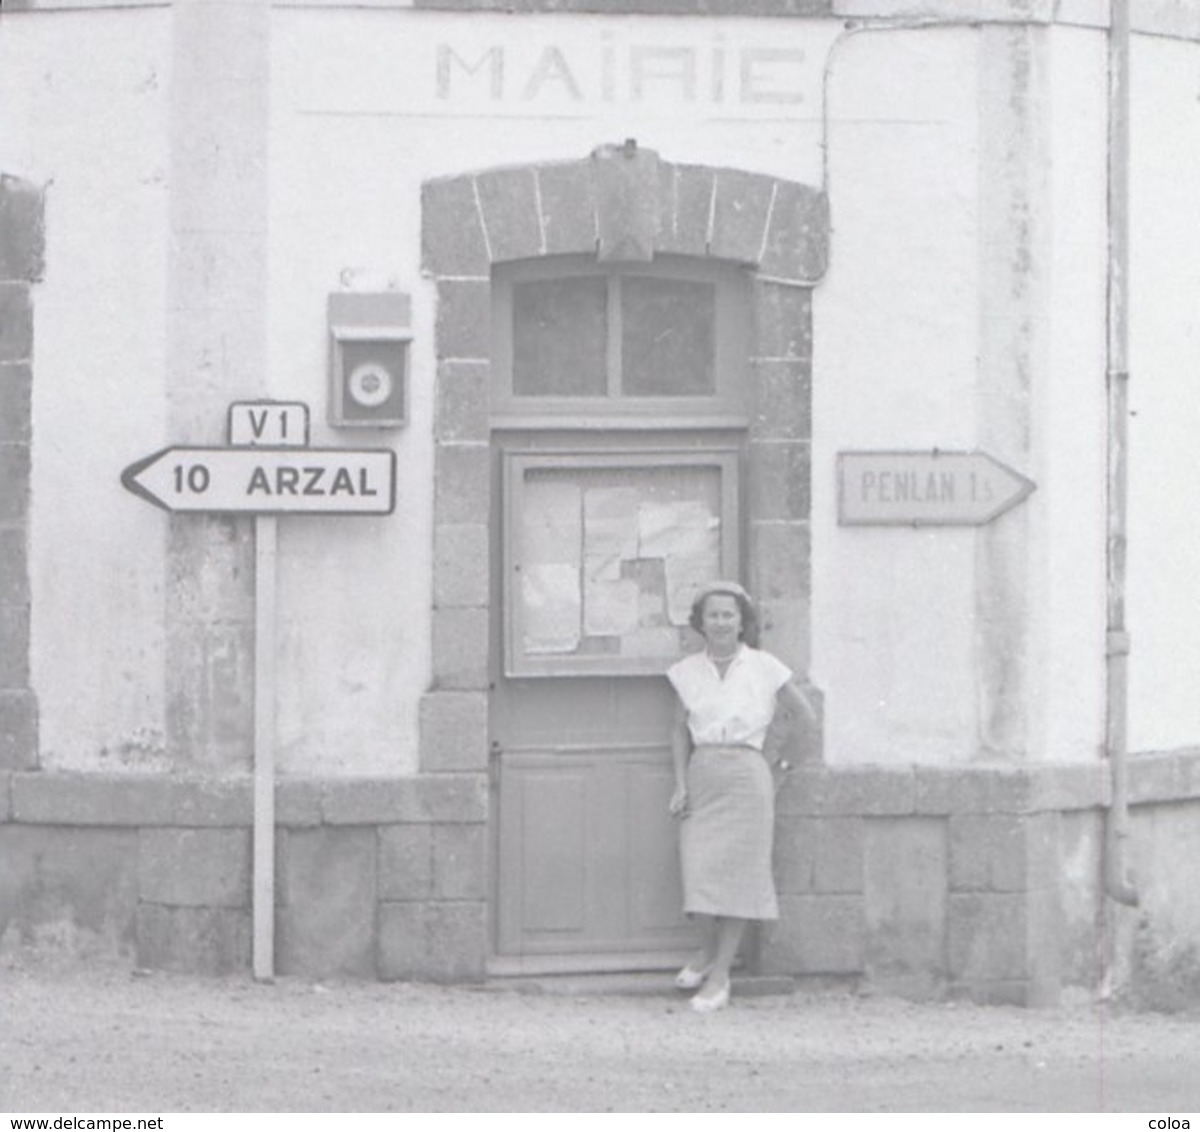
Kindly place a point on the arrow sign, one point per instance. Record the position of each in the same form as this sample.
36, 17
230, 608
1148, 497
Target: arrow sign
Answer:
926, 488
265, 481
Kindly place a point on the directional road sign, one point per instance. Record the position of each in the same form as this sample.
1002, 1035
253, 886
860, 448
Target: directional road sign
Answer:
330, 481
925, 488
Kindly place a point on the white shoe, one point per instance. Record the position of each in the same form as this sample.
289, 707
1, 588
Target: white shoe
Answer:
692, 977
708, 1003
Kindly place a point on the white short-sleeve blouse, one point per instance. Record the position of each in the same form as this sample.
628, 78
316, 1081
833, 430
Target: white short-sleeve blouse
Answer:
735, 710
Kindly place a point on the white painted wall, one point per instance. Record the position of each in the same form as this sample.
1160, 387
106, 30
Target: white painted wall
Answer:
964, 310
1067, 669
368, 82
83, 111
1164, 458
358, 122
896, 344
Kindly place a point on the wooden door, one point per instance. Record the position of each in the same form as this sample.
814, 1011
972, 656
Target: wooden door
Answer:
618, 412
602, 549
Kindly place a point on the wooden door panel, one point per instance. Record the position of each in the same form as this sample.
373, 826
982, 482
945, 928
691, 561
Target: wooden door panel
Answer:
552, 810
589, 853
545, 713
655, 884
584, 710
607, 825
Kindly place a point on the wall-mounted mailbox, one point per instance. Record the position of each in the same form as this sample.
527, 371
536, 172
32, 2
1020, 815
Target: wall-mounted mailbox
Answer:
369, 337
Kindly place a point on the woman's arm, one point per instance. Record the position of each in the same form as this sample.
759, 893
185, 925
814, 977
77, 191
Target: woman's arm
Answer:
681, 746
793, 701
793, 698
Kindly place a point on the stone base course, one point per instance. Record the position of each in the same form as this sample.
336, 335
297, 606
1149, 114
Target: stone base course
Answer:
204, 941
435, 941
818, 935
159, 870
194, 867
72, 888
48, 798
881, 878
326, 893
406, 862
128, 800
18, 736
819, 855
905, 897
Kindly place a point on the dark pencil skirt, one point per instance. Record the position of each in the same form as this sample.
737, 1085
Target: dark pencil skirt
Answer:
726, 838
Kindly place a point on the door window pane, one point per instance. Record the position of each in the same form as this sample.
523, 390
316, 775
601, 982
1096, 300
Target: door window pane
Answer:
560, 333
668, 333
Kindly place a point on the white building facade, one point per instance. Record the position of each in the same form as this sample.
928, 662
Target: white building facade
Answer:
645, 280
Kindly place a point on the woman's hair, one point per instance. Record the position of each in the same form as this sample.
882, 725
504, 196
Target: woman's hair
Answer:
749, 632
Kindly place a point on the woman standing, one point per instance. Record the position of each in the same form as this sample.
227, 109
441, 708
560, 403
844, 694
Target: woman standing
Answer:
724, 789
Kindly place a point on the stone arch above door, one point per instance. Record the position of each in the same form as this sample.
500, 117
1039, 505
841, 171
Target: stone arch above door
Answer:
624, 203
621, 204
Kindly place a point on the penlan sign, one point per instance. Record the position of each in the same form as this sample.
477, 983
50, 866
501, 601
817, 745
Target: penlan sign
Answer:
916, 489
267, 470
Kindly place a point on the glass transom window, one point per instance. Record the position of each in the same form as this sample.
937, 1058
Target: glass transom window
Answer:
624, 338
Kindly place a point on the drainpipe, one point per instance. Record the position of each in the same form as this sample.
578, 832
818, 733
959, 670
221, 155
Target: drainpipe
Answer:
1116, 882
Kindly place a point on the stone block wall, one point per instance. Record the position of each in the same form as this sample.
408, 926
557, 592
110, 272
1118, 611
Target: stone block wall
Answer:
922, 882
374, 879
927, 882
21, 263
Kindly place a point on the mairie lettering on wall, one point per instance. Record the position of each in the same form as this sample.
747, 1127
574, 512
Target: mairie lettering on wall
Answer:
717, 73
573, 69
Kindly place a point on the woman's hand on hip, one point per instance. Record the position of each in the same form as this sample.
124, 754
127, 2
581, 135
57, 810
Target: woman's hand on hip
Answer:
679, 801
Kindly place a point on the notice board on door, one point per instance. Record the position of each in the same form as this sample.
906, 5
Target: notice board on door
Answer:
604, 553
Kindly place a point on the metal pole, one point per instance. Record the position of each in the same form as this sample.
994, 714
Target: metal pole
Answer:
264, 746
1116, 883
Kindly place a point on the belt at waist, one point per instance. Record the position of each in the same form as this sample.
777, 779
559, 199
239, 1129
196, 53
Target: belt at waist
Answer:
728, 748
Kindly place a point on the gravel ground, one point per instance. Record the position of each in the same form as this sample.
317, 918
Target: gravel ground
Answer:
104, 1040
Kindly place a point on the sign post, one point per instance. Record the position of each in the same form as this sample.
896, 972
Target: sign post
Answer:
263, 904
268, 470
